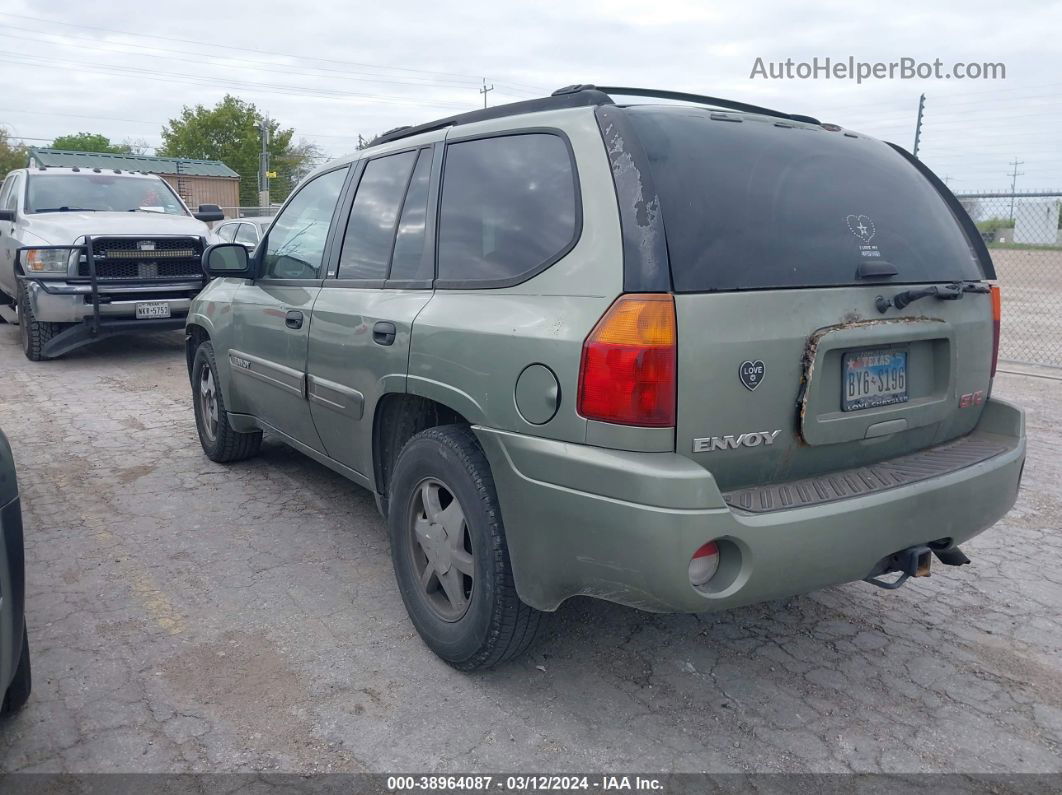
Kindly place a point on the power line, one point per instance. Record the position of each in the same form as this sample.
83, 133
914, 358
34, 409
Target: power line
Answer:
223, 59
180, 77
228, 46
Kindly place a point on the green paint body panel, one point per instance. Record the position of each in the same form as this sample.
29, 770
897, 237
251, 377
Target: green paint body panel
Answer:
615, 512
582, 523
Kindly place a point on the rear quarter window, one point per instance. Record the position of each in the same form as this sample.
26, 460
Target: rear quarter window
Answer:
509, 209
752, 205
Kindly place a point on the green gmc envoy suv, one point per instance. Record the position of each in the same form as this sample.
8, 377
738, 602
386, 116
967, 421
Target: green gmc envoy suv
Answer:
678, 356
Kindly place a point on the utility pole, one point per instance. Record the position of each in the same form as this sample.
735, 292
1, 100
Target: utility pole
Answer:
918, 123
1014, 183
263, 165
484, 91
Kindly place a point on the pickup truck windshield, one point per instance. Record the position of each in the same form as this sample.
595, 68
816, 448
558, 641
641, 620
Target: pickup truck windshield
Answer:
53, 193
752, 203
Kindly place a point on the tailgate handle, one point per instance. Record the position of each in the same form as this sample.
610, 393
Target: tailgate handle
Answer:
876, 270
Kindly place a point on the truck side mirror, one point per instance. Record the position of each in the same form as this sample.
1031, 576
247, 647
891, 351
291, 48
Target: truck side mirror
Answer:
209, 213
7, 215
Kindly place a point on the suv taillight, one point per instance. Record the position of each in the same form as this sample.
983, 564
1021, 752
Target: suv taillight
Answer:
996, 314
627, 373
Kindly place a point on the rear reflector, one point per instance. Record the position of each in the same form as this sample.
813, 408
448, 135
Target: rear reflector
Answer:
704, 564
627, 373
996, 314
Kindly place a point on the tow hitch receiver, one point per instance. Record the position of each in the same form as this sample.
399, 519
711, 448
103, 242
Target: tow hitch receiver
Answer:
910, 562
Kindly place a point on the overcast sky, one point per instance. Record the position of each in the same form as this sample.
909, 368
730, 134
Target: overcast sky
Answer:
334, 69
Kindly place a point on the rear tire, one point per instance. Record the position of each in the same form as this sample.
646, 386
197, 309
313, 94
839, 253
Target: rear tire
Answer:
35, 333
220, 442
449, 552
18, 692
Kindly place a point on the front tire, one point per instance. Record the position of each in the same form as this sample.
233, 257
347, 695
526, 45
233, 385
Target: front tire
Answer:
220, 442
35, 333
449, 552
18, 692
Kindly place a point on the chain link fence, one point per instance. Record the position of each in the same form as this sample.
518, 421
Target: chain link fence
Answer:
1023, 234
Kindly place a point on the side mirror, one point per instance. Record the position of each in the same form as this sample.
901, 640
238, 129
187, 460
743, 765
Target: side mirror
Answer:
227, 259
209, 213
7, 215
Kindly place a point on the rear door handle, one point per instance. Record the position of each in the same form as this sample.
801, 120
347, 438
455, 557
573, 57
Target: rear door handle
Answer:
384, 332
293, 319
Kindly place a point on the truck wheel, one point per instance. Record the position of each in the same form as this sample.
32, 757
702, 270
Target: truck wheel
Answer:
19, 690
220, 442
35, 333
449, 553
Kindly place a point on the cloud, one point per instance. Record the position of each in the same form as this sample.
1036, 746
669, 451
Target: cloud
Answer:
333, 70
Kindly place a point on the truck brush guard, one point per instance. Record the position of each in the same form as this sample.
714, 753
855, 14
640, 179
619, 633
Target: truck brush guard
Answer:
98, 325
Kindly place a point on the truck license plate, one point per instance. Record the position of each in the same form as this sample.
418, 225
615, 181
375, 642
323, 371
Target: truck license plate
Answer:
150, 310
873, 378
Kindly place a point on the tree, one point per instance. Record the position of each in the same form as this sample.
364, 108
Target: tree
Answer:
135, 146
90, 142
229, 132
12, 154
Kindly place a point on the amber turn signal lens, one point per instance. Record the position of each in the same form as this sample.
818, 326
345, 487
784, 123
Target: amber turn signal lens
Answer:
627, 374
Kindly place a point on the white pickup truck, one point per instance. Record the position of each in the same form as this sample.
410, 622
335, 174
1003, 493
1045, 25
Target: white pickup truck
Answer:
88, 253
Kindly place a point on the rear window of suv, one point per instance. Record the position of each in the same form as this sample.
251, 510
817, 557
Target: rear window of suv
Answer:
748, 204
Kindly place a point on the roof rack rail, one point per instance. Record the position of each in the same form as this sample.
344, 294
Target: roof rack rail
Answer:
577, 99
701, 99
576, 96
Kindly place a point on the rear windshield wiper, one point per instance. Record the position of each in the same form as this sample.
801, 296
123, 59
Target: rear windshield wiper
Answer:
65, 210
947, 292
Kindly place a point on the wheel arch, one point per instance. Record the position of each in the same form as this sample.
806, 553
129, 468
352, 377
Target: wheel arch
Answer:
195, 334
398, 417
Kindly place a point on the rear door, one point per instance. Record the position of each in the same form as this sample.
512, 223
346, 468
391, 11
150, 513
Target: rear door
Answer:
781, 237
362, 320
271, 315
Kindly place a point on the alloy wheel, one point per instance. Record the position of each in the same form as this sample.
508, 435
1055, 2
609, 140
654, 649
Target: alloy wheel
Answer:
441, 547
208, 403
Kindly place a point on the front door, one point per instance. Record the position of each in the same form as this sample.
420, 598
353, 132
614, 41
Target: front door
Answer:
272, 314
359, 340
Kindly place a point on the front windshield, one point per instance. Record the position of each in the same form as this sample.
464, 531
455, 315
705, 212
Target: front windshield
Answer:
49, 193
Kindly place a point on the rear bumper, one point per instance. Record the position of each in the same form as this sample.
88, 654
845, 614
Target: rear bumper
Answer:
622, 526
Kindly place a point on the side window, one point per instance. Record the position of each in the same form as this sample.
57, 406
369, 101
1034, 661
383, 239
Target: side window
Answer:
408, 261
371, 229
226, 231
9, 193
295, 246
245, 233
508, 207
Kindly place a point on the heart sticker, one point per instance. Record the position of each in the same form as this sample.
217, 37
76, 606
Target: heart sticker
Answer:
861, 226
751, 373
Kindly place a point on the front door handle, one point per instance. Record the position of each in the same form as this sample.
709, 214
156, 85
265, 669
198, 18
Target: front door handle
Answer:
384, 332
293, 319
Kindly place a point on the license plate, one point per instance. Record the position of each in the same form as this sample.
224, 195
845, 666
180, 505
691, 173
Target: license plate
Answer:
150, 310
870, 379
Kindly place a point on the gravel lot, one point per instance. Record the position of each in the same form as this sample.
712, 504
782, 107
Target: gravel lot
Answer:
186, 616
